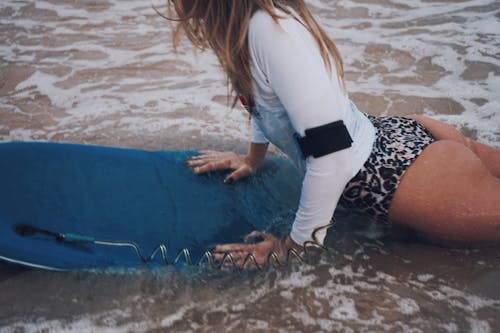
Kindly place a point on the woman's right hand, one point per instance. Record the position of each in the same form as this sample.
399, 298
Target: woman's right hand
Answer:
210, 160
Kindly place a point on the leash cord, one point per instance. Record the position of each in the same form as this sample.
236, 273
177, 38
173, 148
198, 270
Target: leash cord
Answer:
207, 258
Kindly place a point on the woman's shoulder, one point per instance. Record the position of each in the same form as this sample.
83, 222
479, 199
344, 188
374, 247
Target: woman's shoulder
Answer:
262, 24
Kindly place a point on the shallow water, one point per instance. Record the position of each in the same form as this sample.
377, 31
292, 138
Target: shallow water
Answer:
104, 72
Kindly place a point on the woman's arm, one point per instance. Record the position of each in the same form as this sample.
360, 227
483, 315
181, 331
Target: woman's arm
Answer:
256, 154
287, 63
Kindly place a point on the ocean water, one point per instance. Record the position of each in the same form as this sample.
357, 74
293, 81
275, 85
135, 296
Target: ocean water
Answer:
105, 73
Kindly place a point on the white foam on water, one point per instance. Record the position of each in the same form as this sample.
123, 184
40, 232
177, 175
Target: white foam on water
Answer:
108, 324
114, 69
424, 277
175, 317
199, 94
305, 318
26, 135
408, 306
345, 310
94, 102
449, 327
45, 84
439, 42
297, 279
479, 326
64, 11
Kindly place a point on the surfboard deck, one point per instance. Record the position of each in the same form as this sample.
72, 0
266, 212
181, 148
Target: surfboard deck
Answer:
128, 195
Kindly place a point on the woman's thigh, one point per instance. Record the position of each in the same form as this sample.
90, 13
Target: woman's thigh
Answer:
449, 194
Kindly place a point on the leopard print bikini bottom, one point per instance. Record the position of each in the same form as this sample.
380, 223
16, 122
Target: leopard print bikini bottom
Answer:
399, 141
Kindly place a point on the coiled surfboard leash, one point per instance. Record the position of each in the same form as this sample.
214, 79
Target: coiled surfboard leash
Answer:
26, 230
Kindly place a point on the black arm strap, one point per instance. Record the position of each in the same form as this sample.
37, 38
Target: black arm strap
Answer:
326, 139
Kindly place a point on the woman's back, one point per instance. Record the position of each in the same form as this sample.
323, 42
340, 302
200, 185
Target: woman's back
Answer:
293, 84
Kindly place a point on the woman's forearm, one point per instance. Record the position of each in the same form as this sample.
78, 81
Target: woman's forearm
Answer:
256, 155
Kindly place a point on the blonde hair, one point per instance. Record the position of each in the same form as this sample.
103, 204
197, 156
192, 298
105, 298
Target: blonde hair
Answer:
223, 26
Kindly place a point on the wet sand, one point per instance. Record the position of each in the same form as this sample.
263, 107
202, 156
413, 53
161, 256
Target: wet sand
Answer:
105, 73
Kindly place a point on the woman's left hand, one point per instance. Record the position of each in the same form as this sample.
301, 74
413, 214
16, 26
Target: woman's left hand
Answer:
261, 251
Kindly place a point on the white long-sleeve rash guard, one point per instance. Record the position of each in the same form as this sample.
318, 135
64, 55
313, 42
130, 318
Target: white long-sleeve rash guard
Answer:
293, 92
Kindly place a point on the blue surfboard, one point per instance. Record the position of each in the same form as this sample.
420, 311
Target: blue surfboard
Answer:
66, 207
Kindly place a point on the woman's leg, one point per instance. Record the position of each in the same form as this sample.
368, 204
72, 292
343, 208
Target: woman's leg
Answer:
489, 156
449, 194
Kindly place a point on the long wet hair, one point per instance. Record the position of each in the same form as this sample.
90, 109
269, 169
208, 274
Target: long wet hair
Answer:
223, 26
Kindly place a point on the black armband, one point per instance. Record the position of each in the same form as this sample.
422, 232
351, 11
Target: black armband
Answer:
325, 139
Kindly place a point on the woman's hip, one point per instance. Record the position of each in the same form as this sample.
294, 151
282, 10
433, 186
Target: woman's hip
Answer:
399, 141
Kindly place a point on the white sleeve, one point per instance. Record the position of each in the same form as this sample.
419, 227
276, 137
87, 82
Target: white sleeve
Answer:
297, 74
256, 134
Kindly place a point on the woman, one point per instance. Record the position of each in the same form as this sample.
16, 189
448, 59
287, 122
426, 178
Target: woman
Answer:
413, 171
